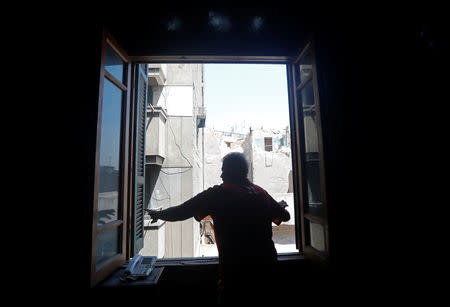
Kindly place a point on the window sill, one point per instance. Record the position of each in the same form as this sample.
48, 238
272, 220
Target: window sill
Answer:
113, 281
187, 261
152, 280
290, 257
149, 225
194, 261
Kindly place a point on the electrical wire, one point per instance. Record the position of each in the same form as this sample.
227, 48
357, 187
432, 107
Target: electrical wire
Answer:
160, 199
175, 140
173, 133
176, 173
167, 192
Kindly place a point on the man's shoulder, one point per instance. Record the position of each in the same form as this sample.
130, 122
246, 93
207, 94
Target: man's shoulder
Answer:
230, 187
258, 188
212, 190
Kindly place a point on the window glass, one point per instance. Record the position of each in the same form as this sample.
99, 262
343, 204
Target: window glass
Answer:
312, 172
114, 64
316, 235
307, 95
312, 169
305, 66
107, 244
109, 177
309, 118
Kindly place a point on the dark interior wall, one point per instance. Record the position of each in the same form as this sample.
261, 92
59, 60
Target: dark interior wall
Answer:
214, 31
380, 71
86, 139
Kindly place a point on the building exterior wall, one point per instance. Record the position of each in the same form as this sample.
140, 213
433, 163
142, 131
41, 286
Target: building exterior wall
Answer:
272, 170
213, 159
183, 180
180, 176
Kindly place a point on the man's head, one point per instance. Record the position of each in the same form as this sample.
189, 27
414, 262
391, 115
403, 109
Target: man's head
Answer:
234, 167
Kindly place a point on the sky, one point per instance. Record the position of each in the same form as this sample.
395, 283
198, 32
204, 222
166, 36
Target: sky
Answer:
254, 94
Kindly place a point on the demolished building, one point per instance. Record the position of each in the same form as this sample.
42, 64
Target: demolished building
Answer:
268, 152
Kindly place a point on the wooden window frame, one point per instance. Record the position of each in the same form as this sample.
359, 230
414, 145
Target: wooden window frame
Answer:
297, 148
100, 271
300, 156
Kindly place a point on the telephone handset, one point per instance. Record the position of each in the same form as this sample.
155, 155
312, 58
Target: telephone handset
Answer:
139, 266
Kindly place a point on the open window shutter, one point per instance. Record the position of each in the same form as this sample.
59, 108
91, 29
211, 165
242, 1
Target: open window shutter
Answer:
139, 174
307, 139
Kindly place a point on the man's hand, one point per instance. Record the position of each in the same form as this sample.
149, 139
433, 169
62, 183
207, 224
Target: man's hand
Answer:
154, 214
283, 204
285, 215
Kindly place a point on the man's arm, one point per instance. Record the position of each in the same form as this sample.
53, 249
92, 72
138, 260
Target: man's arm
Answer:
172, 214
194, 206
279, 212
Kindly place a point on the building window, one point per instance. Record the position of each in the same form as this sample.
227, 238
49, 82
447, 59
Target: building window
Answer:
268, 144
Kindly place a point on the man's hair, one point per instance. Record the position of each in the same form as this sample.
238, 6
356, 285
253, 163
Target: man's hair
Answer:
235, 166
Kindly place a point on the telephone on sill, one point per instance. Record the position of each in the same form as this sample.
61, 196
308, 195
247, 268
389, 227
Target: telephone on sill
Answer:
138, 267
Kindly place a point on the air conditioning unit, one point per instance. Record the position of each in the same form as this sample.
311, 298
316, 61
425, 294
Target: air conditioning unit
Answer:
155, 144
201, 117
156, 75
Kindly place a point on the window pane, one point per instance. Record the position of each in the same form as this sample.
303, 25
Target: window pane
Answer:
114, 64
316, 235
305, 66
309, 119
312, 172
107, 244
312, 169
108, 190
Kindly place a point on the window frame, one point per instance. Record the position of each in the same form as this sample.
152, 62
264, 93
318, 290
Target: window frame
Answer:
268, 146
299, 190
295, 89
100, 271
297, 148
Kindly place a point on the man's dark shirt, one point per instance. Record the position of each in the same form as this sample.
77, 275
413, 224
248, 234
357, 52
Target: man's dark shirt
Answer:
242, 215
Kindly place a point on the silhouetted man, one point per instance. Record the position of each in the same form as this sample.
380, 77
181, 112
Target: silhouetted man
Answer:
242, 214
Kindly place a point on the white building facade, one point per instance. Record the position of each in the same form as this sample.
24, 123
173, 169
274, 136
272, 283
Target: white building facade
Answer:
268, 152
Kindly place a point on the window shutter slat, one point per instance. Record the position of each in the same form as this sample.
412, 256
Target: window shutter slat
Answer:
139, 180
